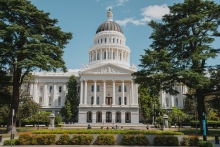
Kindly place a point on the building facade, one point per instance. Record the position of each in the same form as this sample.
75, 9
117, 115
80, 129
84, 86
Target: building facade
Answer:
107, 93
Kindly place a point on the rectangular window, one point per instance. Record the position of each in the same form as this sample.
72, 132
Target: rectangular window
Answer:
119, 88
51, 88
97, 100
125, 100
98, 88
41, 88
92, 88
119, 100
50, 101
97, 56
92, 100
59, 101
90, 116
125, 88
60, 88
104, 55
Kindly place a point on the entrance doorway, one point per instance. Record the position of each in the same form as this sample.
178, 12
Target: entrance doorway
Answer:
108, 117
108, 100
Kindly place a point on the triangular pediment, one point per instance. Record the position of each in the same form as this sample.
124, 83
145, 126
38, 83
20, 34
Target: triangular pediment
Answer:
107, 69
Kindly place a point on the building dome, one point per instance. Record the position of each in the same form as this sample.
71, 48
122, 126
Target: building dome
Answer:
109, 25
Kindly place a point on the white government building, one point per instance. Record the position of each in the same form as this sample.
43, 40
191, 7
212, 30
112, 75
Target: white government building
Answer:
106, 89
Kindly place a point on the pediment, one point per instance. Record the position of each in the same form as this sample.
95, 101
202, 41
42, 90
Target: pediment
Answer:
107, 69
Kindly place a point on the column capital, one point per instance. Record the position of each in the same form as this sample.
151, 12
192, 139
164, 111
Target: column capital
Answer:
81, 80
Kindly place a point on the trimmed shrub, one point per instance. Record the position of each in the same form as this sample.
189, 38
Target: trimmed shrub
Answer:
205, 144
43, 140
185, 141
194, 141
13, 142
106, 140
105, 131
82, 139
25, 138
166, 141
63, 140
135, 140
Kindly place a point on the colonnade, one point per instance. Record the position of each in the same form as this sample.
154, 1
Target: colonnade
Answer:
46, 94
109, 54
133, 96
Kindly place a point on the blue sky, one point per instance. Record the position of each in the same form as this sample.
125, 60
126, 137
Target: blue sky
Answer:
83, 17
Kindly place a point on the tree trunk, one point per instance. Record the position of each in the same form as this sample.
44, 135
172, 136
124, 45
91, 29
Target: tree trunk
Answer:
201, 108
14, 102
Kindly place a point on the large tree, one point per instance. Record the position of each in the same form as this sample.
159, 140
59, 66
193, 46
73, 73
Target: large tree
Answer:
182, 44
29, 40
70, 108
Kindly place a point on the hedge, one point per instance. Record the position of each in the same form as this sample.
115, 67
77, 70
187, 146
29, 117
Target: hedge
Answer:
135, 140
100, 131
106, 139
166, 141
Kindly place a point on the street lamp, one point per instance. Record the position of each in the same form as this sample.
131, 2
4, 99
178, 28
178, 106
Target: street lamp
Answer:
38, 119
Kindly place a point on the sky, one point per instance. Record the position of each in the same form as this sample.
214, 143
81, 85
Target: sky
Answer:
83, 17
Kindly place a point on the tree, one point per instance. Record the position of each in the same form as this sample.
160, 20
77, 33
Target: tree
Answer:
69, 110
29, 40
27, 108
182, 44
149, 102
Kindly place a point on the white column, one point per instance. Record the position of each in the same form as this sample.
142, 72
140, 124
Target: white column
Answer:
85, 93
35, 92
101, 54
113, 92
112, 54
81, 92
106, 50
104, 86
31, 89
94, 103
45, 95
132, 93
122, 116
54, 94
113, 116
103, 116
123, 94
93, 117
64, 95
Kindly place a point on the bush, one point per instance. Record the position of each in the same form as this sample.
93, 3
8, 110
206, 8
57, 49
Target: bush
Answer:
106, 140
83, 139
135, 140
63, 140
194, 141
166, 141
205, 144
43, 140
25, 138
185, 141
13, 142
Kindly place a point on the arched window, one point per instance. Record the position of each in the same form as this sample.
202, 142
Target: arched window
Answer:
176, 101
167, 102
127, 116
92, 99
113, 40
101, 40
89, 116
105, 40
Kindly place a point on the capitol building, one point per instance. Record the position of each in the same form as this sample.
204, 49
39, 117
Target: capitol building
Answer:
106, 90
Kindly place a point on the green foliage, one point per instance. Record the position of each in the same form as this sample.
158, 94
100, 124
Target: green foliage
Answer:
100, 131
166, 141
150, 105
190, 141
205, 144
82, 139
58, 119
106, 139
139, 139
11, 142
69, 110
185, 141
29, 40
63, 140
25, 138
43, 140
43, 118
181, 46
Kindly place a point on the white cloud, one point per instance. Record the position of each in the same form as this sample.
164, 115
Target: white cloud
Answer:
107, 8
154, 12
121, 2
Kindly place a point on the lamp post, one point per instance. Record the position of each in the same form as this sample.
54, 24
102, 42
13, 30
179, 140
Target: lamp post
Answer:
38, 119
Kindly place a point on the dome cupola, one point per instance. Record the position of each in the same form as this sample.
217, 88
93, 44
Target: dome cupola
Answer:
109, 25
